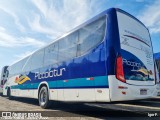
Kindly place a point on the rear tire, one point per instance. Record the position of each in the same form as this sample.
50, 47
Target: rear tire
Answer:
43, 98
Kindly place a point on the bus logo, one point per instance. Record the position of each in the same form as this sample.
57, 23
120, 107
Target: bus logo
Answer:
50, 74
21, 79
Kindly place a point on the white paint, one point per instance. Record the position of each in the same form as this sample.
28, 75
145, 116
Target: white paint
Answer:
132, 93
60, 94
23, 93
54, 94
131, 27
89, 95
103, 96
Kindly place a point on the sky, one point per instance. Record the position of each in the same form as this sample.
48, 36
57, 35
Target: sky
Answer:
27, 25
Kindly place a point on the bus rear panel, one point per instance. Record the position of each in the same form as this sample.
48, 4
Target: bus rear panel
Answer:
134, 68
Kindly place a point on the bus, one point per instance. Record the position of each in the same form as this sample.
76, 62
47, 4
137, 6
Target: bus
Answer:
107, 58
4, 76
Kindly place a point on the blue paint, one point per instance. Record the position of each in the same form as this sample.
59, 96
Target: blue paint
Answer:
98, 82
112, 41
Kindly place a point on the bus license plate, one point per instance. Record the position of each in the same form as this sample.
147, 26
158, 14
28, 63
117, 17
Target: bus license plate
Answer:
143, 92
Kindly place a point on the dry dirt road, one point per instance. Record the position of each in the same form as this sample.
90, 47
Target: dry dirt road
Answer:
83, 111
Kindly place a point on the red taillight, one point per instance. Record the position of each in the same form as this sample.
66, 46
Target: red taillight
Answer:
119, 69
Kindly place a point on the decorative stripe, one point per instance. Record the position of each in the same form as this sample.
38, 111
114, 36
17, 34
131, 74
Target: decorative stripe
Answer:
77, 87
79, 83
137, 39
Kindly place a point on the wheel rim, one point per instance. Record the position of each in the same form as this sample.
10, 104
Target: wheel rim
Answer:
43, 97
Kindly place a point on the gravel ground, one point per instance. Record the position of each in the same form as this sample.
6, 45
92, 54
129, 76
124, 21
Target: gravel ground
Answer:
83, 111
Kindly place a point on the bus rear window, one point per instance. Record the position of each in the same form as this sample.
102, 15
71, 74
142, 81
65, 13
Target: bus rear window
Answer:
136, 49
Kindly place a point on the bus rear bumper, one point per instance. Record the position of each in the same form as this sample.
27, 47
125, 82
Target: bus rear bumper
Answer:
120, 91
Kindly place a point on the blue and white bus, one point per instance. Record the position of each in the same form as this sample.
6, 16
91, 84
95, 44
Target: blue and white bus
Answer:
108, 58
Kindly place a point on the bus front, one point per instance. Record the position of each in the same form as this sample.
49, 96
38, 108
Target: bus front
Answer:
135, 68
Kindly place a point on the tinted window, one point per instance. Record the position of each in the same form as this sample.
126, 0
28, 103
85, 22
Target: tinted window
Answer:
27, 65
37, 59
91, 35
51, 54
68, 47
17, 67
11, 71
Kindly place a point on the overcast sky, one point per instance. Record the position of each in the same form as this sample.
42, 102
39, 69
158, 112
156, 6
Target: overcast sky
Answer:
26, 25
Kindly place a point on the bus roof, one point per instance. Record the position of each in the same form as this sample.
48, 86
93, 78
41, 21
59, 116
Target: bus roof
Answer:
122, 11
82, 25
91, 20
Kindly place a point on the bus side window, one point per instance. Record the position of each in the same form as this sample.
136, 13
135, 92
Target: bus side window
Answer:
13, 69
91, 35
27, 64
18, 67
37, 59
68, 47
51, 54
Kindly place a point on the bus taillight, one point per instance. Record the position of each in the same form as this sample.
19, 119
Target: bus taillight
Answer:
119, 69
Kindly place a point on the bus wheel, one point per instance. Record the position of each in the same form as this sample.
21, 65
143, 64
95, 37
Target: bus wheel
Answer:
43, 98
